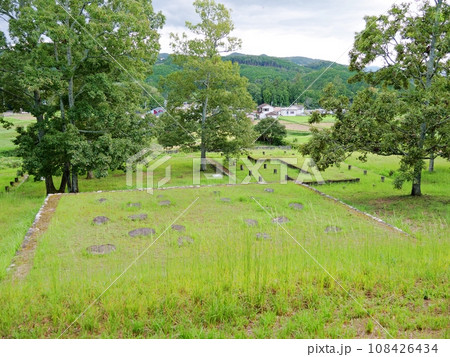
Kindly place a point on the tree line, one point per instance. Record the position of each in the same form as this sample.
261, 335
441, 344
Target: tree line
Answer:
82, 69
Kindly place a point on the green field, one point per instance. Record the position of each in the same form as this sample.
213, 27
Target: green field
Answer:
227, 283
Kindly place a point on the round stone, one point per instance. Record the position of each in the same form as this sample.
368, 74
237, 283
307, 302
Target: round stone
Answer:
164, 203
137, 204
100, 220
141, 232
280, 219
332, 229
263, 236
225, 199
138, 217
178, 227
251, 222
185, 240
101, 249
101, 200
296, 206
269, 190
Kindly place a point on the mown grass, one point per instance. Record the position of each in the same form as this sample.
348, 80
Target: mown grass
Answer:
227, 283
295, 158
7, 135
297, 137
425, 216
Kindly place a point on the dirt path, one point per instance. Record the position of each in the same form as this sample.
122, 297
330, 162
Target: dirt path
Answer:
304, 127
23, 261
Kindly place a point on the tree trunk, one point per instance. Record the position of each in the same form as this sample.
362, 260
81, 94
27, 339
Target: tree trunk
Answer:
49, 185
90, 175
203, 157
203, 144
64, 181
431, 61
416, 188
39, 116
74, 186
431, 164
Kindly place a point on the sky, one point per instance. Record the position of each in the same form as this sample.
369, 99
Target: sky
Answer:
322, 29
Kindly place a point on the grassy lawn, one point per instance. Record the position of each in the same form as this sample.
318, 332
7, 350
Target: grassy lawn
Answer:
227, 283
19, 207
294, 157
297, 137
6, 136
426, 216
17, 211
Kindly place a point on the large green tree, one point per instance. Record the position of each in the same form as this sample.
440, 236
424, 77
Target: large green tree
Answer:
408, 115
76, 66
208, 100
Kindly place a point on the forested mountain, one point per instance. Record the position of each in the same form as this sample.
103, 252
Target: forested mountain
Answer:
279, 81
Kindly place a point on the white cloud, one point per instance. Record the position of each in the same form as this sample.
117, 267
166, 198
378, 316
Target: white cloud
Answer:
318, 29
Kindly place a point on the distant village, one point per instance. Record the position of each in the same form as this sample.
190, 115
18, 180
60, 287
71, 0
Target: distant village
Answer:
264, 111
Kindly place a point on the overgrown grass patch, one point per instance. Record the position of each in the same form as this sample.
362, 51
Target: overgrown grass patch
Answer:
227, 283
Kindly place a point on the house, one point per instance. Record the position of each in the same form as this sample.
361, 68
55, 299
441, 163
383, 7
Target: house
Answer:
263, 110
268, 111
292, 111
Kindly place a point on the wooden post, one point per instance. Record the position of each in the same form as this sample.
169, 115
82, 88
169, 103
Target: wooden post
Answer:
264, 152
382, 178
242, 167
349, 167
275, 171
250, 172
16, 179
11, 183
265, 166
260, 179
365, 172
6, 188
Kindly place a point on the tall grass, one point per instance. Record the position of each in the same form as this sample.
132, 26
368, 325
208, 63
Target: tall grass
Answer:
227, 283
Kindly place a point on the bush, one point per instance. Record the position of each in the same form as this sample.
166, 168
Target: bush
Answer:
271, 131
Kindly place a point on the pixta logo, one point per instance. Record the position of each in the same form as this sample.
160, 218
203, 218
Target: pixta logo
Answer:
143, 165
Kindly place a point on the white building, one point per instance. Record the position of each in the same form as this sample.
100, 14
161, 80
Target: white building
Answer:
293, 111
263, 110
269, 111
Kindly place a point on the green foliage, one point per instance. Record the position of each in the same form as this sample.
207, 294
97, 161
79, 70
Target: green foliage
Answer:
216, 95
409, 115
281, 81
81, 84
271, 131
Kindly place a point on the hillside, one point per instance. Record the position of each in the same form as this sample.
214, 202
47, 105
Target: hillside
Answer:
279, 81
